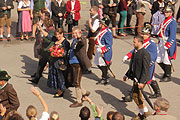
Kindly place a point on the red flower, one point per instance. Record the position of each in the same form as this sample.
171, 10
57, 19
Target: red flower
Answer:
57, 51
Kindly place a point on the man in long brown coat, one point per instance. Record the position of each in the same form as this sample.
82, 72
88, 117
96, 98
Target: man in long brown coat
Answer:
8, 95
79, 61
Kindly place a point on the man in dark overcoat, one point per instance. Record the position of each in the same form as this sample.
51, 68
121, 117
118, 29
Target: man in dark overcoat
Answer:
139, 70
8, 95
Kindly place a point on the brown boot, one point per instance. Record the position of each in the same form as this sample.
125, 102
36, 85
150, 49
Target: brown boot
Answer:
114, 33
76, 104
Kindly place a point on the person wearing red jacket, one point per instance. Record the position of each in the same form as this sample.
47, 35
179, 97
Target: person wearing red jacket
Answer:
73, 8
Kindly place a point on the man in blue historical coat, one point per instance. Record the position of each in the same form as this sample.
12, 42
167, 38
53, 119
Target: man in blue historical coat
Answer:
167, 47
103, 54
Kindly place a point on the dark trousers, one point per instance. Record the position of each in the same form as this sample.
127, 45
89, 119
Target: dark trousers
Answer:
91, 48
139, 23
42, 63
104, 71
128, 20
58, 24
113, 19
70, 26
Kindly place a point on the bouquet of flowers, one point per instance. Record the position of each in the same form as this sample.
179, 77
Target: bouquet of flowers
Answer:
57, 50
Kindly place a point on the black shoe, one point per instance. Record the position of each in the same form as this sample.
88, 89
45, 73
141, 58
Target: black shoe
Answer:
156, 89
103, 82
8, 39
166, 79
34, 80
100, 82
87, 72
34, 75
155, 95
127, 98
106, 82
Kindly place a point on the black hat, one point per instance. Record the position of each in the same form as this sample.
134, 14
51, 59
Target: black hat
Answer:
4, 76
147, 28
168, 7
103, 21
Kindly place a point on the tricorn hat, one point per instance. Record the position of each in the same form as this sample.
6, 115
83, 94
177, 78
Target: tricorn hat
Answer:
147, 28
4, 76
104, 21
168, 7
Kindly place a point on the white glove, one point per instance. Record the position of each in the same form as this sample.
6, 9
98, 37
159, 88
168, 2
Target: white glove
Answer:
99, 50
125, 58
165, 48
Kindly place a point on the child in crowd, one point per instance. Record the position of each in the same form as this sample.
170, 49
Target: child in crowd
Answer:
31, 111
84, 113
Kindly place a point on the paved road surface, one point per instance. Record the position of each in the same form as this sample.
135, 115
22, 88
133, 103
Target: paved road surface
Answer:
17, 58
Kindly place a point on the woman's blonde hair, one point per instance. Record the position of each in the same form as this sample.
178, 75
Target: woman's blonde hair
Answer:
31, 112
54, 116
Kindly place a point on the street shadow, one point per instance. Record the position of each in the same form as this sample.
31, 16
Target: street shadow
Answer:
68, 96
92, 76
30, 65
42, 85
112, 100
127, 62
174, 79
122, 86
119, 84
159, 76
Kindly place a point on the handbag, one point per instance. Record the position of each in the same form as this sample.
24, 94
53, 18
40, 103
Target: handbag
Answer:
60, 64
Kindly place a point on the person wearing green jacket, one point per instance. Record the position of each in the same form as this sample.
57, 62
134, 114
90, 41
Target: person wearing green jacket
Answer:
46, 44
